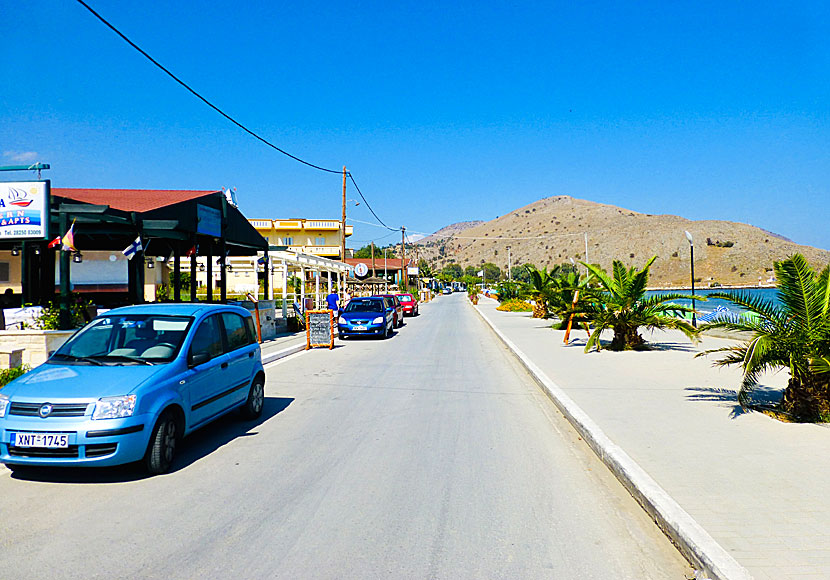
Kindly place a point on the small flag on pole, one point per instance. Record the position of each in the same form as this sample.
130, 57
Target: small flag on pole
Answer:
55, 242
481, 272
68, 240
191, 251
130, 250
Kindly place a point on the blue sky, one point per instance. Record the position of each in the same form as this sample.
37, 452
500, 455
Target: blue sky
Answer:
443, 113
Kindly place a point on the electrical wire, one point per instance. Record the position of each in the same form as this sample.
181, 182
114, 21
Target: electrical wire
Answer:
369, 206
203, 99
496, 238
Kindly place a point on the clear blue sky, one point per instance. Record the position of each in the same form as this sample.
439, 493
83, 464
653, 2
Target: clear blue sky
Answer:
443, 113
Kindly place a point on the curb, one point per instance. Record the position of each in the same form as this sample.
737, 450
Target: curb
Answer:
694, 542
274, 356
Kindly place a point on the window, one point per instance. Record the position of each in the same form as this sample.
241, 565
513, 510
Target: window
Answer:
249, 322
208, 337
319, 241
235, 330
289, 241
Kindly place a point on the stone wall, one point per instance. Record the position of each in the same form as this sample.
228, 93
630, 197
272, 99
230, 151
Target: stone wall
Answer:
36, 344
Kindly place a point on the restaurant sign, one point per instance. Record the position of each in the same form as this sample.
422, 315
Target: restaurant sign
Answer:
24, 210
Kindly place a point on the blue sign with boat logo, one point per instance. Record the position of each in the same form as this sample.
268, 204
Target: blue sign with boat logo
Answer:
23, 210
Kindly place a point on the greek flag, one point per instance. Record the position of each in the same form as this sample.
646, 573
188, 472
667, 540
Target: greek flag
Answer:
130, 250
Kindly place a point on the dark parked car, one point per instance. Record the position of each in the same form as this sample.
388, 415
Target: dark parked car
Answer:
366, 317
396, 305
409, 304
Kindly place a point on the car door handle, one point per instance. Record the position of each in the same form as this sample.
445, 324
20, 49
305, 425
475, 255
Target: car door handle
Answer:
224, 365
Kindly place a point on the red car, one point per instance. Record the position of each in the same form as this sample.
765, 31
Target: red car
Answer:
397, 309
409, 304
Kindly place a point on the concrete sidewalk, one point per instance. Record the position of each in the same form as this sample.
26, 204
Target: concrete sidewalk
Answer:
760, 488
285, 344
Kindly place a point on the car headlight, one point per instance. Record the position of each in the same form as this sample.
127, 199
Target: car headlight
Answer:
4, 404
378, 320
342, 320
114, 407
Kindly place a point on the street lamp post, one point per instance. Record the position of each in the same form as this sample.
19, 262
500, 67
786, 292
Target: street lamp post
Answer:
692, 263
509, 266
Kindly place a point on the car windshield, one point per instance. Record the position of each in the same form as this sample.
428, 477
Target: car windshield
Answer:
365, 306
125, 339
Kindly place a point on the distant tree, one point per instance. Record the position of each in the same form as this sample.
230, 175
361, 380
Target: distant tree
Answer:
470, 280
424, 268
492, 273
364, 252
453, 270
520, 273
471, 271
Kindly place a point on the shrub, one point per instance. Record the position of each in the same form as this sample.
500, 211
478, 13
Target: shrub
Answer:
515, 305
8, 375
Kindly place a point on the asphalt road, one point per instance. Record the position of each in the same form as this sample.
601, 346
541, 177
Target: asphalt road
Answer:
429, 455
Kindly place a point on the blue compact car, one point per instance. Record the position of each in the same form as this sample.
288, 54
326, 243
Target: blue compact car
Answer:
130, 384
366, 317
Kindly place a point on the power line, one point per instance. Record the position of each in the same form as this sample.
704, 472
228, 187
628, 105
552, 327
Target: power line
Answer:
497, 238
200, 97
369, 206
228, 117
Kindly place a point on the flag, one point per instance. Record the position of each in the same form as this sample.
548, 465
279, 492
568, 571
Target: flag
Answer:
68, 240
191, 251
54, 242
130, 250
480, 273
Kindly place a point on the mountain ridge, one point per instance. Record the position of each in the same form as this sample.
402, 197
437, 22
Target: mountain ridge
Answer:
553, 230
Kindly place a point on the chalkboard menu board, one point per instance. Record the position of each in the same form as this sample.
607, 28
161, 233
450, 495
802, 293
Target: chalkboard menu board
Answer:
319, 326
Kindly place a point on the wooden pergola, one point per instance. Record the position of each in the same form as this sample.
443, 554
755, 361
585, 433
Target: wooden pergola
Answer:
169, 222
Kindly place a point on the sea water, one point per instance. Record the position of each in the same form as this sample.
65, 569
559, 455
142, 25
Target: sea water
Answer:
710, 305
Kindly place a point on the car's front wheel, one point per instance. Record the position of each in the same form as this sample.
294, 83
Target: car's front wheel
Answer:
162, 447
256, 399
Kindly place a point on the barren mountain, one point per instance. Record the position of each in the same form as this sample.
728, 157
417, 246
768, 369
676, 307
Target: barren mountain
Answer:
449, 230
553, 230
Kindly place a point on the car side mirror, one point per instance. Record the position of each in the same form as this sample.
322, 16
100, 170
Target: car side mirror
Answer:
198, 358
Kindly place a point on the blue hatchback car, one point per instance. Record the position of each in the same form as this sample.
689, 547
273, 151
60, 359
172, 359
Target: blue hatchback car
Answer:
130, 384
366, 317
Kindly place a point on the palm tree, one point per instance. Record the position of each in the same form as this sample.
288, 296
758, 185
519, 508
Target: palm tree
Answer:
559, 295
621, 305
540, 280
793, 335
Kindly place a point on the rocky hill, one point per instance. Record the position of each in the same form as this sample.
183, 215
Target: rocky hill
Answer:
553, 230
447, 231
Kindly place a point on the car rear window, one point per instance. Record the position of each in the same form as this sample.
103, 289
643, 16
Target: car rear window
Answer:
364, 306
405, 298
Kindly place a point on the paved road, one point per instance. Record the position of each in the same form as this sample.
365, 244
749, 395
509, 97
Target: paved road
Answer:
428, 455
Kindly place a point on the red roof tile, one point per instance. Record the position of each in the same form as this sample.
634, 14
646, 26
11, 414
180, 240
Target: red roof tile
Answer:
391, 263
129, 199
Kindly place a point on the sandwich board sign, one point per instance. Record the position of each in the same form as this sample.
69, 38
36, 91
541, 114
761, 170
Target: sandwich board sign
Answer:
319, 328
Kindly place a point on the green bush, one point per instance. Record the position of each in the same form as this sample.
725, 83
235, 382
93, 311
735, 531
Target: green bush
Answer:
8, 375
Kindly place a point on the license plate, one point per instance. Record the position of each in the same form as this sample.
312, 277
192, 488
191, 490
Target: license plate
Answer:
358, 328
48, 440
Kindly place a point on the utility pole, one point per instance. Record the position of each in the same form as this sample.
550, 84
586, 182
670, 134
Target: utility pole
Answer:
374, 274
405, 277
343, 224
509, 266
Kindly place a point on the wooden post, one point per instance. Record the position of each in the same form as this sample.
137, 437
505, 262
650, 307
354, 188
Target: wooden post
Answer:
571, 318
343, 223
405, 278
